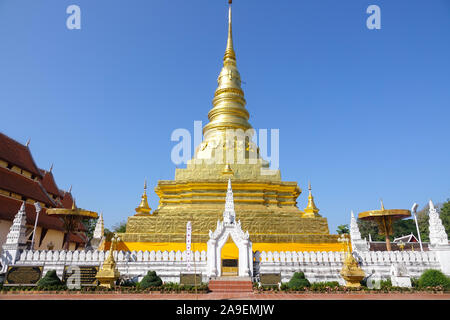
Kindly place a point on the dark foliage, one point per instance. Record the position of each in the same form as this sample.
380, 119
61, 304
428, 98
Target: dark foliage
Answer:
150, 280
50, 280
298, 281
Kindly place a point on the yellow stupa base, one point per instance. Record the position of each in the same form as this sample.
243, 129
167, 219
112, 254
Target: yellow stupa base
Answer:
229, 250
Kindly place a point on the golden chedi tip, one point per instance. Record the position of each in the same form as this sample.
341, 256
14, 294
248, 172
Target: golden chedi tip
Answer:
143, 207
311, 209
228, 110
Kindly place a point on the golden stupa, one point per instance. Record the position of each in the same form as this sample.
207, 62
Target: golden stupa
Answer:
265, 205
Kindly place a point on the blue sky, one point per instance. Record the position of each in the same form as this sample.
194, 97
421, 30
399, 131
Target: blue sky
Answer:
362, 113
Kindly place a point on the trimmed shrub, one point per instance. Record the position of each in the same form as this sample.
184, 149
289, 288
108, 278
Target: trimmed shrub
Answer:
434, 278
50, 280
386, 284
298, 281
322, 286
150, 280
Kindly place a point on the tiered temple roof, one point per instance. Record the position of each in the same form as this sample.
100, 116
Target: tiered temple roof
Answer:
17, 154
21, 180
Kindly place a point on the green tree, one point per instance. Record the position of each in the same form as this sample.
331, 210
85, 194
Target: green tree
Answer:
445, 216
343, 229
404, 227
120, 227
89, 224
369, 227
117, 228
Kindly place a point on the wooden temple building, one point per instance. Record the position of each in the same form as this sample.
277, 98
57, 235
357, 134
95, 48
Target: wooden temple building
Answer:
21, 180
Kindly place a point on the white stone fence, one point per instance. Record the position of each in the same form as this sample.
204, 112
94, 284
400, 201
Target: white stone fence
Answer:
131, 264
317, 266
326, 266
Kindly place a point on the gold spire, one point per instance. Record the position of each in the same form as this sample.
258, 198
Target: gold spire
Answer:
382, 205
229, 104
311, 210
143, 207
229, 52
227, 170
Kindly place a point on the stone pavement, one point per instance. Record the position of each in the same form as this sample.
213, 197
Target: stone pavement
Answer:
229, 296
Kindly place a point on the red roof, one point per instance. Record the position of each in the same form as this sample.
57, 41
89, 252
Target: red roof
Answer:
67, 200
76, 238
16, 153
24, 186
48, 182
9, 208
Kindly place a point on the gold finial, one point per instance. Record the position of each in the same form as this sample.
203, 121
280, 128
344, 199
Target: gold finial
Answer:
227, 169
382, 205
311, 210
74, 206
229, 52
143, 207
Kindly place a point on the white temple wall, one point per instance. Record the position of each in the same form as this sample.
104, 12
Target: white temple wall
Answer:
167, 265
326, 266
317, 266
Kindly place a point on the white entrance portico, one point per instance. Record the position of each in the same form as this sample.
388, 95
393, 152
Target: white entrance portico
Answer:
217, 239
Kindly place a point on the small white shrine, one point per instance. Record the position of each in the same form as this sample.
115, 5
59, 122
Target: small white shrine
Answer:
229, 227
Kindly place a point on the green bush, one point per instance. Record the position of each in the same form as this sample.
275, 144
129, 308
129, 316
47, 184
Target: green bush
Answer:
50, 281
150, 280
414, 282
434, 278
385, 284
298, 281
322, 286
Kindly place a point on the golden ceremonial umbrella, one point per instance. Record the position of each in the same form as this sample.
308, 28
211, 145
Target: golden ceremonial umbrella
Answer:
71, 218
385, 218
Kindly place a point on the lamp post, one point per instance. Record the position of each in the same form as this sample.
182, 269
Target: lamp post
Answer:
414, 210
38, 209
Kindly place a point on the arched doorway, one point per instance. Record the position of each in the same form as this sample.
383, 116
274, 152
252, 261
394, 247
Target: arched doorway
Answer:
229, 241
229, 258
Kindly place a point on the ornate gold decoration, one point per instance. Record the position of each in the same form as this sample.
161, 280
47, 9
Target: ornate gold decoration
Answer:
143, 207
350, 271
227, 170
108, 274
311, 210
385, 218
